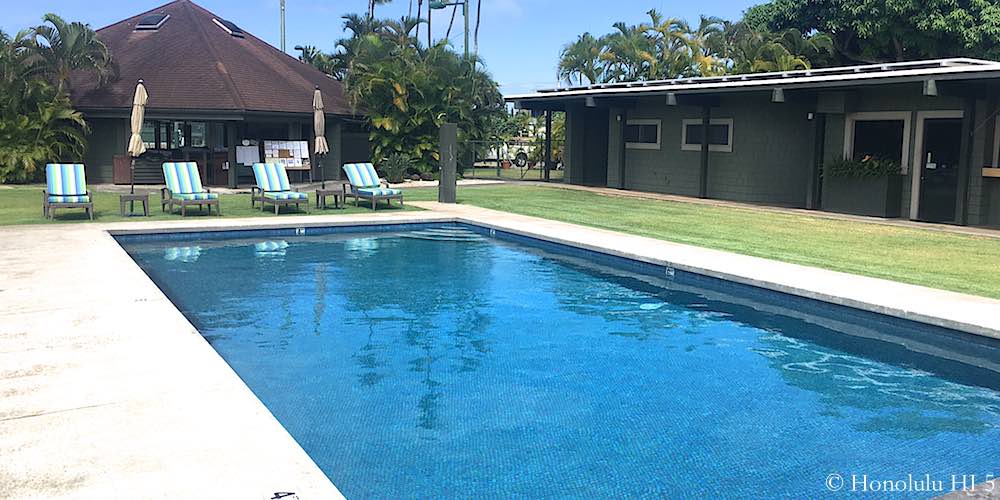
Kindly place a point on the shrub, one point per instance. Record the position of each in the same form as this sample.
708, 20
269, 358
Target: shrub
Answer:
869, 166
395, 166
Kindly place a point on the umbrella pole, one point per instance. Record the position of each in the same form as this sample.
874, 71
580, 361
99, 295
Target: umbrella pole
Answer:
132, 177
322, 178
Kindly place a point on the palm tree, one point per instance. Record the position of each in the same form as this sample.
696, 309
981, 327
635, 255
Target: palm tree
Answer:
37, 122
372, 4
706, 61
674, 47
629, 54
479, 10
582, 59
66, 47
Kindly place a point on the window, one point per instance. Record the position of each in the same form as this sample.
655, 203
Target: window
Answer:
198, 139
642, 134
177, 135
720, 135
152, 22
219, 139
880, 134
149, 134
229, 27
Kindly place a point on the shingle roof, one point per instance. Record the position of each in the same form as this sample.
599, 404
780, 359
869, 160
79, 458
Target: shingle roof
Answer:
191, 63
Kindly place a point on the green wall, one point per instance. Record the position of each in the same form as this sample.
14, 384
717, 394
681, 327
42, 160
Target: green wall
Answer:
770, 161
773, 143
106, 139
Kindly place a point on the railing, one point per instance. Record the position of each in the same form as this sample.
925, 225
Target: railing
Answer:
519, 159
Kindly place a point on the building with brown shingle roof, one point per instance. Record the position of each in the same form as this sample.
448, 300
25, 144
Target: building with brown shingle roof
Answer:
212, 88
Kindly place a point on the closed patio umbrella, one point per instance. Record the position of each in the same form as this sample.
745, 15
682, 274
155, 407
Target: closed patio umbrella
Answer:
135, 144
319, 127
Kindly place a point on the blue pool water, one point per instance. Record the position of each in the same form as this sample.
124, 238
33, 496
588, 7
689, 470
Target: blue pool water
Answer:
454, 363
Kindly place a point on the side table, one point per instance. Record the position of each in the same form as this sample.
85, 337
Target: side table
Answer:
322, 194
131, 198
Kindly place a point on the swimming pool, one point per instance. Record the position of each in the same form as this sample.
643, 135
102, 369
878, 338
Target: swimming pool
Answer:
447, 360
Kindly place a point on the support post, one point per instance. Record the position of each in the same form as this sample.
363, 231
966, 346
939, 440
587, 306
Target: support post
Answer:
548, 144
706, 121
814, 196
622, 153
233, 167
965, 161
448, 141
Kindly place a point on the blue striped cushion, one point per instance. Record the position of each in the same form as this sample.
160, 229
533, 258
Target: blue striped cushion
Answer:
287, 195
361, 175
271, 177
380, 192
182, 177
65, 179
69, 199
196, 196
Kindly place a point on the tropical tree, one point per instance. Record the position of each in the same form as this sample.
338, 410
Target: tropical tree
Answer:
37, 121
629, 54
408, 90
582, 59
372, 4
317, 58
869, 31
67, 47
666, 47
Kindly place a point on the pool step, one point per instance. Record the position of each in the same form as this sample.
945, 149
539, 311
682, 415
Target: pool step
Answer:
443, 234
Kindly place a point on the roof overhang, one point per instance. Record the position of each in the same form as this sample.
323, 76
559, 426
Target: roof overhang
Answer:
207, 115
826, 78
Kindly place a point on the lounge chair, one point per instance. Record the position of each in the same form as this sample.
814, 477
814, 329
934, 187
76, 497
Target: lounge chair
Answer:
273, 187
66, 187
184, 188
366, 184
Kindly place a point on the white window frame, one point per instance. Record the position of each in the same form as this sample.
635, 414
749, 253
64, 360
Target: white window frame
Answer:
719, 148
868, 116
646, 145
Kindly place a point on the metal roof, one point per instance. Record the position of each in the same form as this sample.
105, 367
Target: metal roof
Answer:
823, 77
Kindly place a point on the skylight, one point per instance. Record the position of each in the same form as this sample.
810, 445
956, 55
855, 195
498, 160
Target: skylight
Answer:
229, 27
152, 22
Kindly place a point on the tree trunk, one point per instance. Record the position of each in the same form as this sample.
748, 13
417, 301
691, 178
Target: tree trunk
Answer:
454, 9
479, 9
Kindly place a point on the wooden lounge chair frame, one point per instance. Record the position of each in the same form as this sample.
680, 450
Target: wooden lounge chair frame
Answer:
167, 199
49, 207
258, 194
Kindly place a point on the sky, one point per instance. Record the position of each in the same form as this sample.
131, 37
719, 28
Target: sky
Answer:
519, 40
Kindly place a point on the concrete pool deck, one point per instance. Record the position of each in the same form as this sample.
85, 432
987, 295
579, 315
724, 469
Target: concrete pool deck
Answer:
107, 391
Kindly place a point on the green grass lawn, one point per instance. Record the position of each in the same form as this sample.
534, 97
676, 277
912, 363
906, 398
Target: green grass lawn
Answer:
926, 257
533, 174
23, 205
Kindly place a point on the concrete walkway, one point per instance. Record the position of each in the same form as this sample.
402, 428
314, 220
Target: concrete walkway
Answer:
645, 195
107, 391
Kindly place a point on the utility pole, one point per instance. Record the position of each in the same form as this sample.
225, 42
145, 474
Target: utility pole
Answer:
282, 25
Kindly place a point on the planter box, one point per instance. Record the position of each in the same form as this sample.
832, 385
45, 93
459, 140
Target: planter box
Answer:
873, 196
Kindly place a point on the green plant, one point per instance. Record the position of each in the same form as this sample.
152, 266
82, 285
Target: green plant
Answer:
869, 166
395, 166
407, 90
37, 121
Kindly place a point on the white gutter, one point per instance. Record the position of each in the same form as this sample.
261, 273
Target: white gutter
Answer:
739, 83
